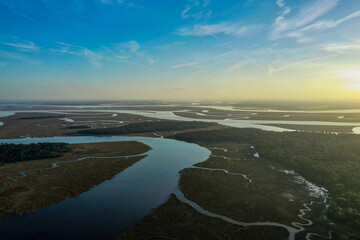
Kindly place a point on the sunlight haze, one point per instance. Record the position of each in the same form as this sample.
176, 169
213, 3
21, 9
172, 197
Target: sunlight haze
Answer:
194, 49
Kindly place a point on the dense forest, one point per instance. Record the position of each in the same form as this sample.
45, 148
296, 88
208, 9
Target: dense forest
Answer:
144, 127
329, 160
77, 127
41, 117
10, 153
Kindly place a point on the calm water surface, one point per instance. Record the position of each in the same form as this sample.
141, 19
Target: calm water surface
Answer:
115, 205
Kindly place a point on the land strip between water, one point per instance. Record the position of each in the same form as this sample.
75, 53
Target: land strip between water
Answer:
30, 185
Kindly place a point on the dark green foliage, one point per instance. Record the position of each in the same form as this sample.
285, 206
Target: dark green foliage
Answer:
77, 127
41, 117
10, 153
143, 127
329, 160
326, 159
346, 208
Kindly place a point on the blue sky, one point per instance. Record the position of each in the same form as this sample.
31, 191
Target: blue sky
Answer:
161, 49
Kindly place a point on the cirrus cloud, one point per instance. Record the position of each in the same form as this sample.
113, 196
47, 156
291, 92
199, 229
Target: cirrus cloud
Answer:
23, 46
226, 28
283, 25
352, 76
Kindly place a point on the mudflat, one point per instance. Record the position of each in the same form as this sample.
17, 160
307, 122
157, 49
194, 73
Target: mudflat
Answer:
316, 128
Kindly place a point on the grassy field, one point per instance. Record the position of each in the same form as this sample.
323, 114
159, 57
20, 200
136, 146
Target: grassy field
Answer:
328, 160
264, 194
146, 127
176, 220
49, 125
43, 188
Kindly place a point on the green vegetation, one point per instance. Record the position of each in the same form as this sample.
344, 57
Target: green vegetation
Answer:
177, 220
77, 127
346, 208
10, 153
328, 160
144, 127
50, 185
41, 117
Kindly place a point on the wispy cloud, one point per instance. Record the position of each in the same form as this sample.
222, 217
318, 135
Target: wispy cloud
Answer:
226, 28
94, 59
285, 26
129, 53
17, 56
151, 60
23, 46
22, 51
271, 70
121, 2
65, 48
127, 50
352, 76
106, 1
169, 45
301, 34
327, 24
11, 5
235, 50
200, 62
196, 9
132, 63
187, 64
304, 62
280, 3
131, 46
248, 3
235, 67
343, 47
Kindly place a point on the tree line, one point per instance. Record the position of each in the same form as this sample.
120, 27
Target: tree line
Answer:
10, 153
144, 127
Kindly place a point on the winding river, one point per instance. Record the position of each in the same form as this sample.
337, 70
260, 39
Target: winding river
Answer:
119, 203
169, 115
115, 205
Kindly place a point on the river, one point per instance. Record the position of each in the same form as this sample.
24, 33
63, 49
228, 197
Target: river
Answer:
169, 115
118, 204
115, 205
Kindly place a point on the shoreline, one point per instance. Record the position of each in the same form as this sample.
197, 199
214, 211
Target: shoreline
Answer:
28, 186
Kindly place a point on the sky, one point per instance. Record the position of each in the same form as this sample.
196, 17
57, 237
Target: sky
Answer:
180, 49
